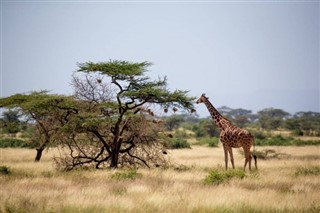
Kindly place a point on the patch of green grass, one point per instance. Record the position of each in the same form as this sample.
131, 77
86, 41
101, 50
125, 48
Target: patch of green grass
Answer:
12, 142
126, 175
305, 171
217, 177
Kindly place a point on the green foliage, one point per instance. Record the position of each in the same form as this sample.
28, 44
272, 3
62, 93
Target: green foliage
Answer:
205, 128
135, 86
181, 134
126, 175
10, 122
304, 123
306, 171
211, 142
12, 142
4, 170
11, 128
260, 135
173, 122
273, 113
119, 69
279, 140
217, 177
178, 143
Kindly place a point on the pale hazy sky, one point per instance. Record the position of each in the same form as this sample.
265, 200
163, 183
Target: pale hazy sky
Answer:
246, 54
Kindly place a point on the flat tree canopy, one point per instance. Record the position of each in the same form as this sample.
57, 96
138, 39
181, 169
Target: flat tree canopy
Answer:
47, 113
120, 120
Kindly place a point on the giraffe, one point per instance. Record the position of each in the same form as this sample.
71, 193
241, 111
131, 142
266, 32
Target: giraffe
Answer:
231, 136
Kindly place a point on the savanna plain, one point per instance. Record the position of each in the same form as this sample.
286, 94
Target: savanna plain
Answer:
287, 182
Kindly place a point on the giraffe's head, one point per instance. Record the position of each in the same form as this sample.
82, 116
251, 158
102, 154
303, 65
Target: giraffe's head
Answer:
202, 98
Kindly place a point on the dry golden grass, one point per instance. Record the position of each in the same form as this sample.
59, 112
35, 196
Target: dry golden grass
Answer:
275, 187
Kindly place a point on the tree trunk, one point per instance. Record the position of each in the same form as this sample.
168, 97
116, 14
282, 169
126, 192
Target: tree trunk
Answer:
114, 159
39, 154
115, 154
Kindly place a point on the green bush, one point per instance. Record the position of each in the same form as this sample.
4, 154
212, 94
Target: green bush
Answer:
181, 134
259, 134
178, 143
217, 177
12, 142
211, 142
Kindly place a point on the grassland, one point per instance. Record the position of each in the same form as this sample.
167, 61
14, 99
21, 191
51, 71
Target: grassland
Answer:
289, 182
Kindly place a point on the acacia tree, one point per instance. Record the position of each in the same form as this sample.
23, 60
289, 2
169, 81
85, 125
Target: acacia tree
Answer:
271, 118
45, 112
116, 125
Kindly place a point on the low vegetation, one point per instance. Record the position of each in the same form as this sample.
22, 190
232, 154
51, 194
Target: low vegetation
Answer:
195, 182
217, 176
178, 143
12, 142
306, 171
126, 175
279, 140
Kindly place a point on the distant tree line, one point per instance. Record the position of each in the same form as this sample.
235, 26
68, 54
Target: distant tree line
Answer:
300, 123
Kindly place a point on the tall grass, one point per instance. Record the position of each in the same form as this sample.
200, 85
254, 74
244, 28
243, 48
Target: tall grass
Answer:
280, 185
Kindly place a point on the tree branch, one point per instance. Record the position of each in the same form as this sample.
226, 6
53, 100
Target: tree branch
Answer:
143, 161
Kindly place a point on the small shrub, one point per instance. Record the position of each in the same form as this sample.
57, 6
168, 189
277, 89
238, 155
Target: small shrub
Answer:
181, 134
126, 175
259, 135
217, 177
305, 171
297, 132
267, 154
4, 170
178, 143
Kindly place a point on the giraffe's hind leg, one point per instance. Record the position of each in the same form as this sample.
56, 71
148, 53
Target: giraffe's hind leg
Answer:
226, 157
247, 155
231, 157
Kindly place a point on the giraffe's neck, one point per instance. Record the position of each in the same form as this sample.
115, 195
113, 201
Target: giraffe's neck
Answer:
220, 121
